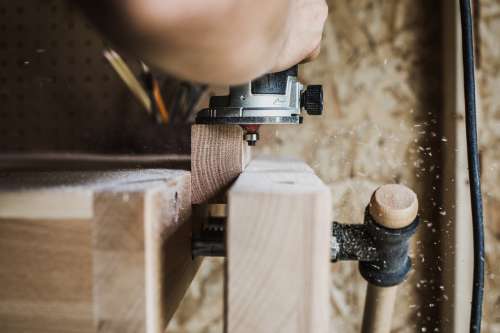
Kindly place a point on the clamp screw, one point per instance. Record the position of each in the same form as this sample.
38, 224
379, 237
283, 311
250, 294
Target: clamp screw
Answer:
312, 100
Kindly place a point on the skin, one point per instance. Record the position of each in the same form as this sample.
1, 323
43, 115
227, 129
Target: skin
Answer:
224, 41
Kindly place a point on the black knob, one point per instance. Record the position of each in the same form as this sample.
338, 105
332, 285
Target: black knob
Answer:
312, 100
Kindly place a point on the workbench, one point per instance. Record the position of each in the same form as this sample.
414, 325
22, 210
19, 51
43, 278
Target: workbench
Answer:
110, 251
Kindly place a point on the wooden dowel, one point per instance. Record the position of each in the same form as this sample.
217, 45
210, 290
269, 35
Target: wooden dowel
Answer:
379, 308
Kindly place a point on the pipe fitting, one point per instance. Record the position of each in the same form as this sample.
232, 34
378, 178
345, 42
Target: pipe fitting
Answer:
393, 263
391, 219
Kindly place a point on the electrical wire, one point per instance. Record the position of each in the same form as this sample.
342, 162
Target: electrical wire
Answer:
473, 162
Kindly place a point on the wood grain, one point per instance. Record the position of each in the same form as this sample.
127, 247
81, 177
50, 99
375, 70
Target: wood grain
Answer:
218, 156
379, 309
80, 161
45, 276
457, 231
123, 269
41, 204
278, 270
393, 206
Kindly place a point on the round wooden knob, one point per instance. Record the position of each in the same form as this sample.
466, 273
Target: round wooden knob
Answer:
393, 206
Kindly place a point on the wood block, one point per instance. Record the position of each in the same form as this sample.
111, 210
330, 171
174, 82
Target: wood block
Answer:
118, 260
45, 274
278, 236
218, 155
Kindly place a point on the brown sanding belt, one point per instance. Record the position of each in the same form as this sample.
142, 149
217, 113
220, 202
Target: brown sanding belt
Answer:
218, 156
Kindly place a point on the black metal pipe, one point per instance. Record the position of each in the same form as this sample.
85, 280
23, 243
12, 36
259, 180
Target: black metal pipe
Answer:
352, 242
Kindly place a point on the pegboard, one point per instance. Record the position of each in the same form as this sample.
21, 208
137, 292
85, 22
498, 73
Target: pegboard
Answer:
59, 94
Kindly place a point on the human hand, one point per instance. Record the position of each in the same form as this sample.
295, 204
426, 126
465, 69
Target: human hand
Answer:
217, 41
306, 21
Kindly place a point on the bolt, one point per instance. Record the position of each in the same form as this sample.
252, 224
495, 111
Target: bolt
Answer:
251, 138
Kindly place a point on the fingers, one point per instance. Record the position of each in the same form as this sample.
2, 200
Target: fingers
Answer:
189, 40
303, 44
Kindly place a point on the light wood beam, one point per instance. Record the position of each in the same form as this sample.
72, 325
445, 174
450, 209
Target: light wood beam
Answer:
278, 236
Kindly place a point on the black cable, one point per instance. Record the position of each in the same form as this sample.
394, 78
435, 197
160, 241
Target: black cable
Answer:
473, 161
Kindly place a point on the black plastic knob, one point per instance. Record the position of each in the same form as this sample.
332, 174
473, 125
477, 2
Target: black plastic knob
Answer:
312, 100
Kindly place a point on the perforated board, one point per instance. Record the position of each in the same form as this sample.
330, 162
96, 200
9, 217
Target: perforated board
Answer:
59, 94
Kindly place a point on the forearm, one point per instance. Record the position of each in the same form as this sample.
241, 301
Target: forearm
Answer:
218, 41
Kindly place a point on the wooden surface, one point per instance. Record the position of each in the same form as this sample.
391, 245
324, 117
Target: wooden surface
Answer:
393, 206
379, 309
218, 155
278, 236
45, 268
457, 240
124, 268
81, 161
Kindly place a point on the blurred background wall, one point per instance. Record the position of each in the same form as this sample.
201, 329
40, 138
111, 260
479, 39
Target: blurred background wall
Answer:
489, 84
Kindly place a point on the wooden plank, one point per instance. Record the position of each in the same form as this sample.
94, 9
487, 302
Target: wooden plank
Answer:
44, 274
80, 161
119, 263
168, 256
46, 205
456, 214
123, 269
218, 155
278, 236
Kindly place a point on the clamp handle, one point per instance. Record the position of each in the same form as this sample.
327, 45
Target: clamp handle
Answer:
393, 207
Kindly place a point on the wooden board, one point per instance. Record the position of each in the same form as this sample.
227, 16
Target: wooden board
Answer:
218, 155
122, 268
80, 161
456, 221
278, 236
45, 268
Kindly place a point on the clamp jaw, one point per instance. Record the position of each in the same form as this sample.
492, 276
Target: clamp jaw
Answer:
276, 98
